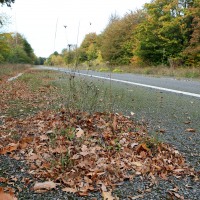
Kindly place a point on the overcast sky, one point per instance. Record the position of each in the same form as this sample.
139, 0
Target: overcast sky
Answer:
37, 19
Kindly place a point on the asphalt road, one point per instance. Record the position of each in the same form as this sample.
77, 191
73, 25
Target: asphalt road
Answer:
184, 85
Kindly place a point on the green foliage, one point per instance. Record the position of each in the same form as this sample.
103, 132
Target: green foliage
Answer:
55, 60
18, 55
40, 61
192, 51
164, 32
27, 48
4, 47
88, 50
1, 59
15, 49
160, 35
117, 43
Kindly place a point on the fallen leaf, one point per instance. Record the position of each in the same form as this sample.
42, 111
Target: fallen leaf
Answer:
6, 196
190, 130
137, 164
134, 144
107, 196
48, 185
68, 189
132, 113
79, 132
162, 130
44, 137
11, 147
3, 180
142, 147
103, 188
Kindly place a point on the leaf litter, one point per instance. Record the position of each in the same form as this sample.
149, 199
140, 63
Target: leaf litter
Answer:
72, 148
84, 152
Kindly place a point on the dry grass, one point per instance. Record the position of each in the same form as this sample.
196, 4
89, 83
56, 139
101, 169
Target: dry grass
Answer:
7, 70
181, 72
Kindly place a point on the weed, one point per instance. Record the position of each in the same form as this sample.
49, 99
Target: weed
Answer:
52, 138
69, 133
152, 142
104, 69
117, 70
66, 160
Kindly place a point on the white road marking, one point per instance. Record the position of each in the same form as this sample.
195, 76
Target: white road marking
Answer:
128, 82
15, 77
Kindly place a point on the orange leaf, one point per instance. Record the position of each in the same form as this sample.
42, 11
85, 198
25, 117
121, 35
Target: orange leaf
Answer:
142, 147
11, 147
6, 196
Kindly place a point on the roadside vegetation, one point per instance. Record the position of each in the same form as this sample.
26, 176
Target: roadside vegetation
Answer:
163, 38
69, 132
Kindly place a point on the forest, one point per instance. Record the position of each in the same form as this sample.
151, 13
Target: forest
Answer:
164, 32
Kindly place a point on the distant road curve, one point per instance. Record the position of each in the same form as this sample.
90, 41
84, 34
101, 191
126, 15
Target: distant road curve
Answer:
184, 87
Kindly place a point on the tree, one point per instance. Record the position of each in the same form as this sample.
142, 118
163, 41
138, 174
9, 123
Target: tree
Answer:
7, 2
15, 48
40, 61
162, 34
55, 60
192, 51
4, 47
88, 50
117, 39
27, 48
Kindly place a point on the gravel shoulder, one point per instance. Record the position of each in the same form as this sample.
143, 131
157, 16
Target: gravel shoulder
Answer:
168, 116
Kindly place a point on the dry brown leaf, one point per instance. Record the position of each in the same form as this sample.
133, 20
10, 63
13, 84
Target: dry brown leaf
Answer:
68, 189
107, 196
48, 185
134, 144
6, 196
103, 187
191, 130
44, 137
11, 147
79, 132
142, 147
3, 180
137, 164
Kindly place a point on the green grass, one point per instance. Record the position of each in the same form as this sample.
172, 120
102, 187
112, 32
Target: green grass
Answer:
7, 70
